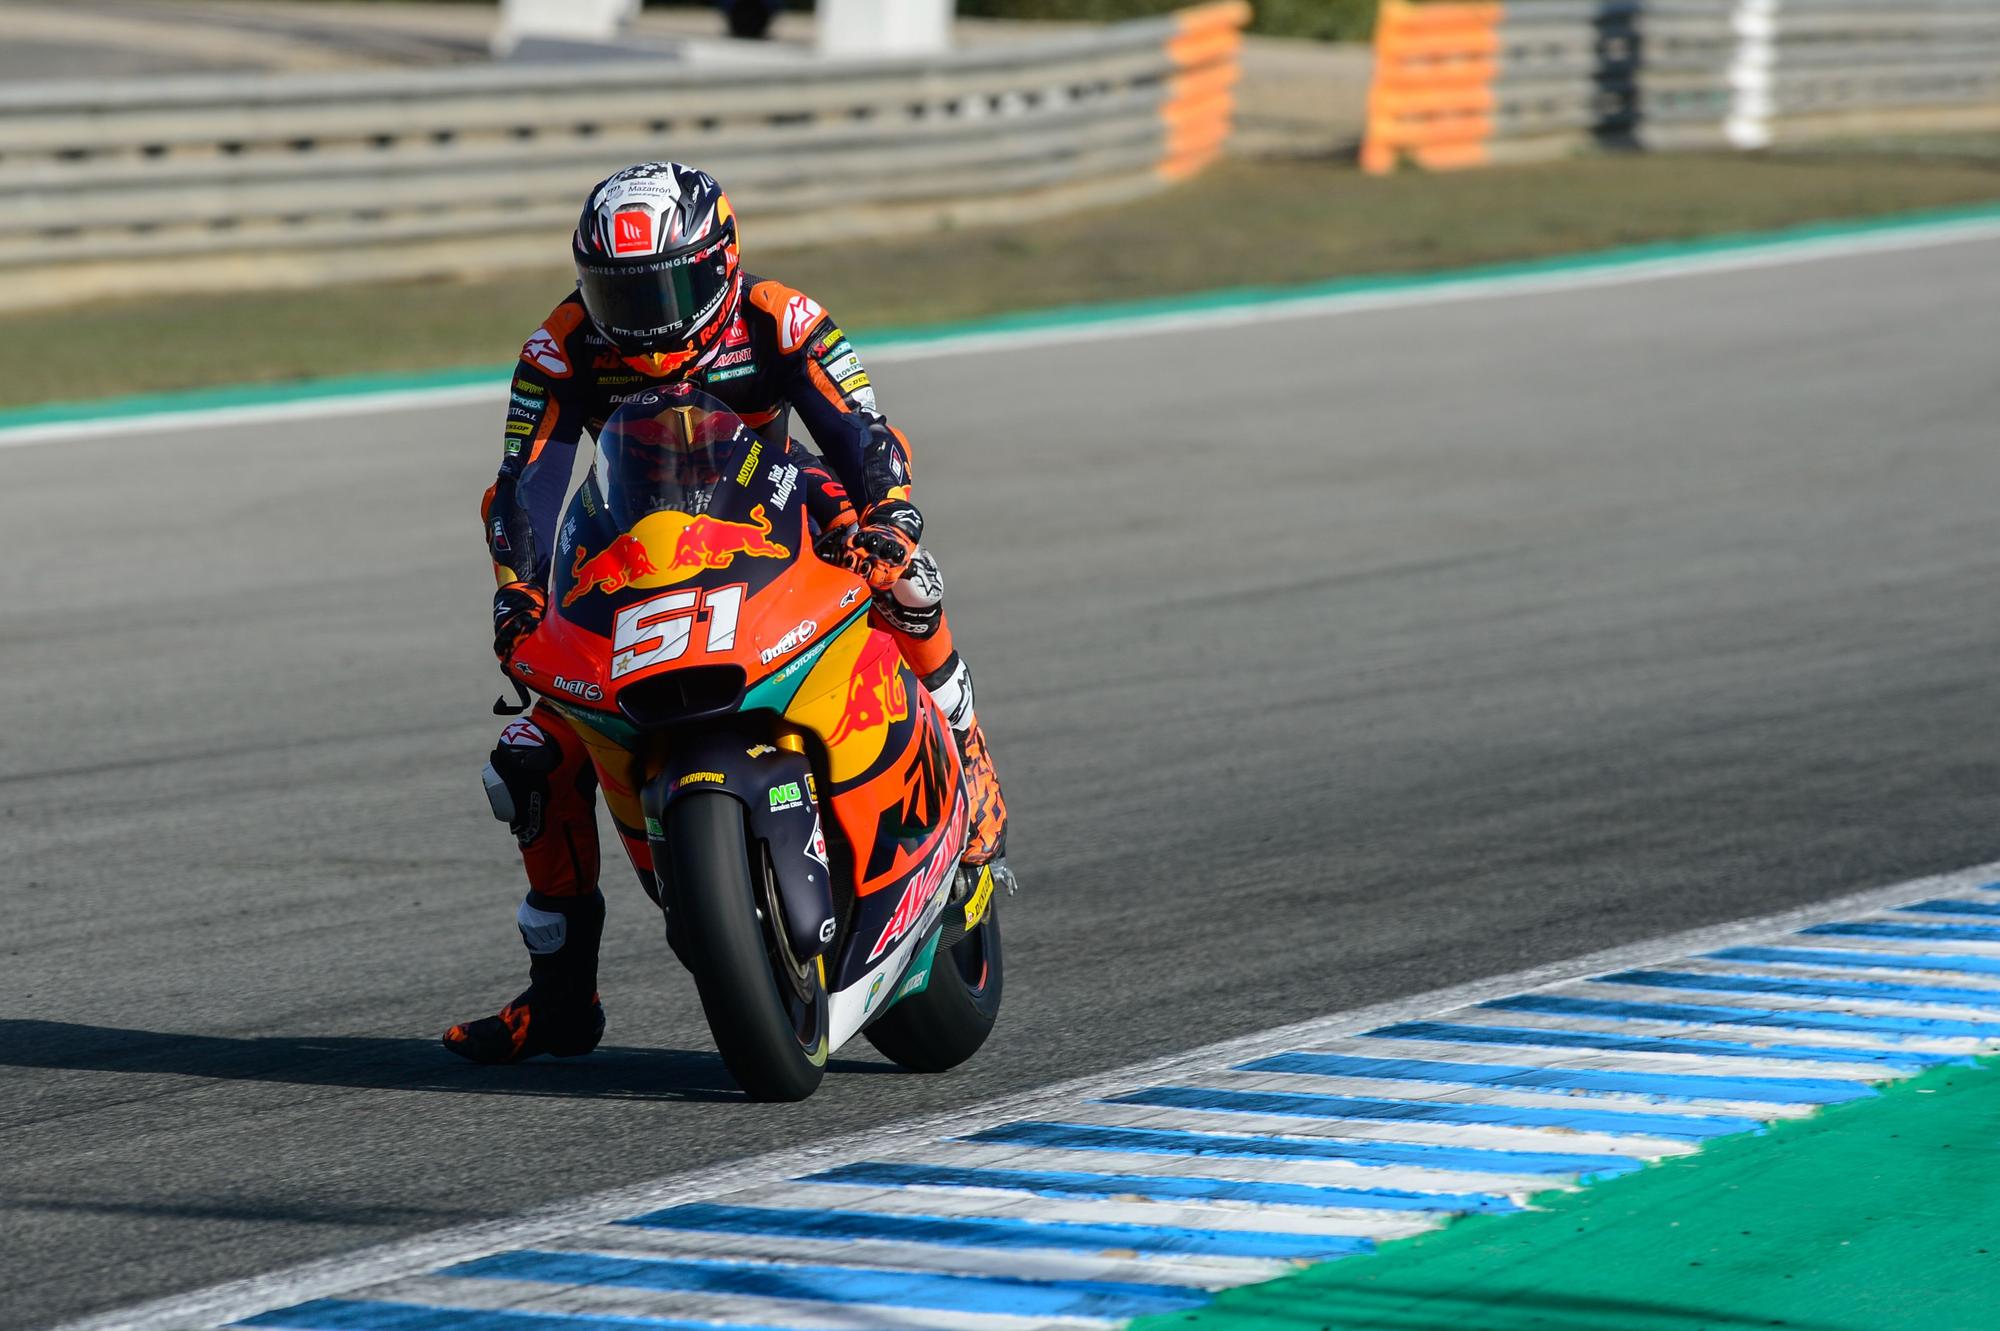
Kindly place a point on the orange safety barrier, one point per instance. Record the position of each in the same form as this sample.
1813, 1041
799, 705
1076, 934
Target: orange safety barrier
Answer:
1432, 95
1206, 49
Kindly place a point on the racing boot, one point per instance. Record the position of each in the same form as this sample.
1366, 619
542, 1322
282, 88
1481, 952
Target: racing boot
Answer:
559, 1013
986, 843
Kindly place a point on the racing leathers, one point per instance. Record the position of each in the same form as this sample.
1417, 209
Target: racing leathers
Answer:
781, 355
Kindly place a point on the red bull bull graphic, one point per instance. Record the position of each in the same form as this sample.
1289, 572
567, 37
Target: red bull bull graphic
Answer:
664, 548
876, 695
615, 568
708, 542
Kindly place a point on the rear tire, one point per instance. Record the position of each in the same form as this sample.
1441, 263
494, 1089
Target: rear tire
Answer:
772, 1040
936, 1030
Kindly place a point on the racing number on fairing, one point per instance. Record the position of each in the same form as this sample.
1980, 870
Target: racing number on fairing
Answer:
659, 629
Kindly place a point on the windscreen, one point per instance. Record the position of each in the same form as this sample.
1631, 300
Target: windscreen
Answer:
679, 495
668, 450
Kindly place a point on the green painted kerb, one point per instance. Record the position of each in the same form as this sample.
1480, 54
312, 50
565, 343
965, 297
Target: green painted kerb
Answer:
1029, 321
1876, 1215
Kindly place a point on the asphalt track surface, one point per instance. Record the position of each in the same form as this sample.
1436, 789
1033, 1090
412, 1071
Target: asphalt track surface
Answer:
1327, 661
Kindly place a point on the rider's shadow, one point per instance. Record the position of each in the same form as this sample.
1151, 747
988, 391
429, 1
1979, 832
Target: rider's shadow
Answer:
375, 1063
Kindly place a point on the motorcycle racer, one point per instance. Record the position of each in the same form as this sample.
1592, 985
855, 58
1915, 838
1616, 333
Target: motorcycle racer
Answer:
661, 299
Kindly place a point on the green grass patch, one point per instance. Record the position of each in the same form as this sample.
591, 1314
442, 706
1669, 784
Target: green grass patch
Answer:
1244, 224
1875, 1215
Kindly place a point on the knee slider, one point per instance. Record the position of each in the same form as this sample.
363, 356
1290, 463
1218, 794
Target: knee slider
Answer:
516, 777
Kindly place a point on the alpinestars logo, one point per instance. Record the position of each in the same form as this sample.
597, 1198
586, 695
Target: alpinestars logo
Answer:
546, 354
801, 313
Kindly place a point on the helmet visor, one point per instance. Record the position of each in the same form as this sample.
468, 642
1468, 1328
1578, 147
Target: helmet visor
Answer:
656, 304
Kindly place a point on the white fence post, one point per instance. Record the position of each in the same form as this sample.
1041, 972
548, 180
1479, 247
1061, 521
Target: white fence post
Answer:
1755, 23
884, 27
562, 20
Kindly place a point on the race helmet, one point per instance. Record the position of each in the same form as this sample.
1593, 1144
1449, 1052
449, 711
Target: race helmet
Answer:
657, 267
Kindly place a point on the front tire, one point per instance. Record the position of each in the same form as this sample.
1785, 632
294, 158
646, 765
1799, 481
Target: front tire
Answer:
936, 1030
768, 1016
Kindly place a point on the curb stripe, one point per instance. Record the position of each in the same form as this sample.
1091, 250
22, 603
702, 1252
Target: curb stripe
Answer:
1654, 1085
1943, 907
1894, 961
1152, 1141
373, 1315
1879, 991
1553, 1039
837, 1284
999, 1232
1800, 1019
1156, 1187
1948, 933
1673, 1127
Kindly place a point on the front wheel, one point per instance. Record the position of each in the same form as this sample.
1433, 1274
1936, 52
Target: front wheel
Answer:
767, 1010
942, 1026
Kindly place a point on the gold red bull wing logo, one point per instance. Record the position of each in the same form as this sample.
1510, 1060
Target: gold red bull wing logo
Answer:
692, 544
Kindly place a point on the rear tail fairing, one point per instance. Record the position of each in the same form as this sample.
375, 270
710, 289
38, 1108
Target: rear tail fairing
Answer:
775, 788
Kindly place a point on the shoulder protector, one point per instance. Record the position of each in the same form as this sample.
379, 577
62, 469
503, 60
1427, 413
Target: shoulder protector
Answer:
548, 349
794, 313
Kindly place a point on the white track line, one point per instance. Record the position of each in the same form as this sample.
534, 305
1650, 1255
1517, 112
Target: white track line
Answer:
412, 1259
1444, 289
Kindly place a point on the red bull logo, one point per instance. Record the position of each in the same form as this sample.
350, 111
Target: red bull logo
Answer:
614, 568
698, 543
709, 542
876, 695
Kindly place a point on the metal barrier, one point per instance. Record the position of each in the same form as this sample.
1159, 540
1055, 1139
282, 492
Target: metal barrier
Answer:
219, 182
1464, 84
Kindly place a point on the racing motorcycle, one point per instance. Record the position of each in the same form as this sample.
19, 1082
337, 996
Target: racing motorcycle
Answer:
801, 792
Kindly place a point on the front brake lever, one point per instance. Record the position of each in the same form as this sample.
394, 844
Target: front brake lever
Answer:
500, 706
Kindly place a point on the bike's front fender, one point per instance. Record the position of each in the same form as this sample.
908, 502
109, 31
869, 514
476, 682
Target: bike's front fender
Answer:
774, 786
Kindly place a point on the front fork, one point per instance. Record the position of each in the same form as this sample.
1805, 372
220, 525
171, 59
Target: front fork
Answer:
773, 782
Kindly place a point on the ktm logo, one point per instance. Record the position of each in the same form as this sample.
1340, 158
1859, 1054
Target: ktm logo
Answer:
925, 885
920, 808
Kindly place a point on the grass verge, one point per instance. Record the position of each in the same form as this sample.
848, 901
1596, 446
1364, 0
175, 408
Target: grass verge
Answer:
1243, 224
1875, 1215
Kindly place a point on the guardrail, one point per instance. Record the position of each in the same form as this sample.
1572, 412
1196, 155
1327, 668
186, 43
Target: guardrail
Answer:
206, 183
1461, 84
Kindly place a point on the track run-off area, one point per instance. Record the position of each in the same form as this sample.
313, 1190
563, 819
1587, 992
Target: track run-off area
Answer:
1332, 656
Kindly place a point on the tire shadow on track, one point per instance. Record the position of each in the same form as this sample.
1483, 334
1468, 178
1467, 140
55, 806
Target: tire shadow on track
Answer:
384, 1063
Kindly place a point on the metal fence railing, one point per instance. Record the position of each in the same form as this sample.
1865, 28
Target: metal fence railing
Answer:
233, 180
1462, 84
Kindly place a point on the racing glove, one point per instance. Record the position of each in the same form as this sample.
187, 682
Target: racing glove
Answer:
881, 548
517, 610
